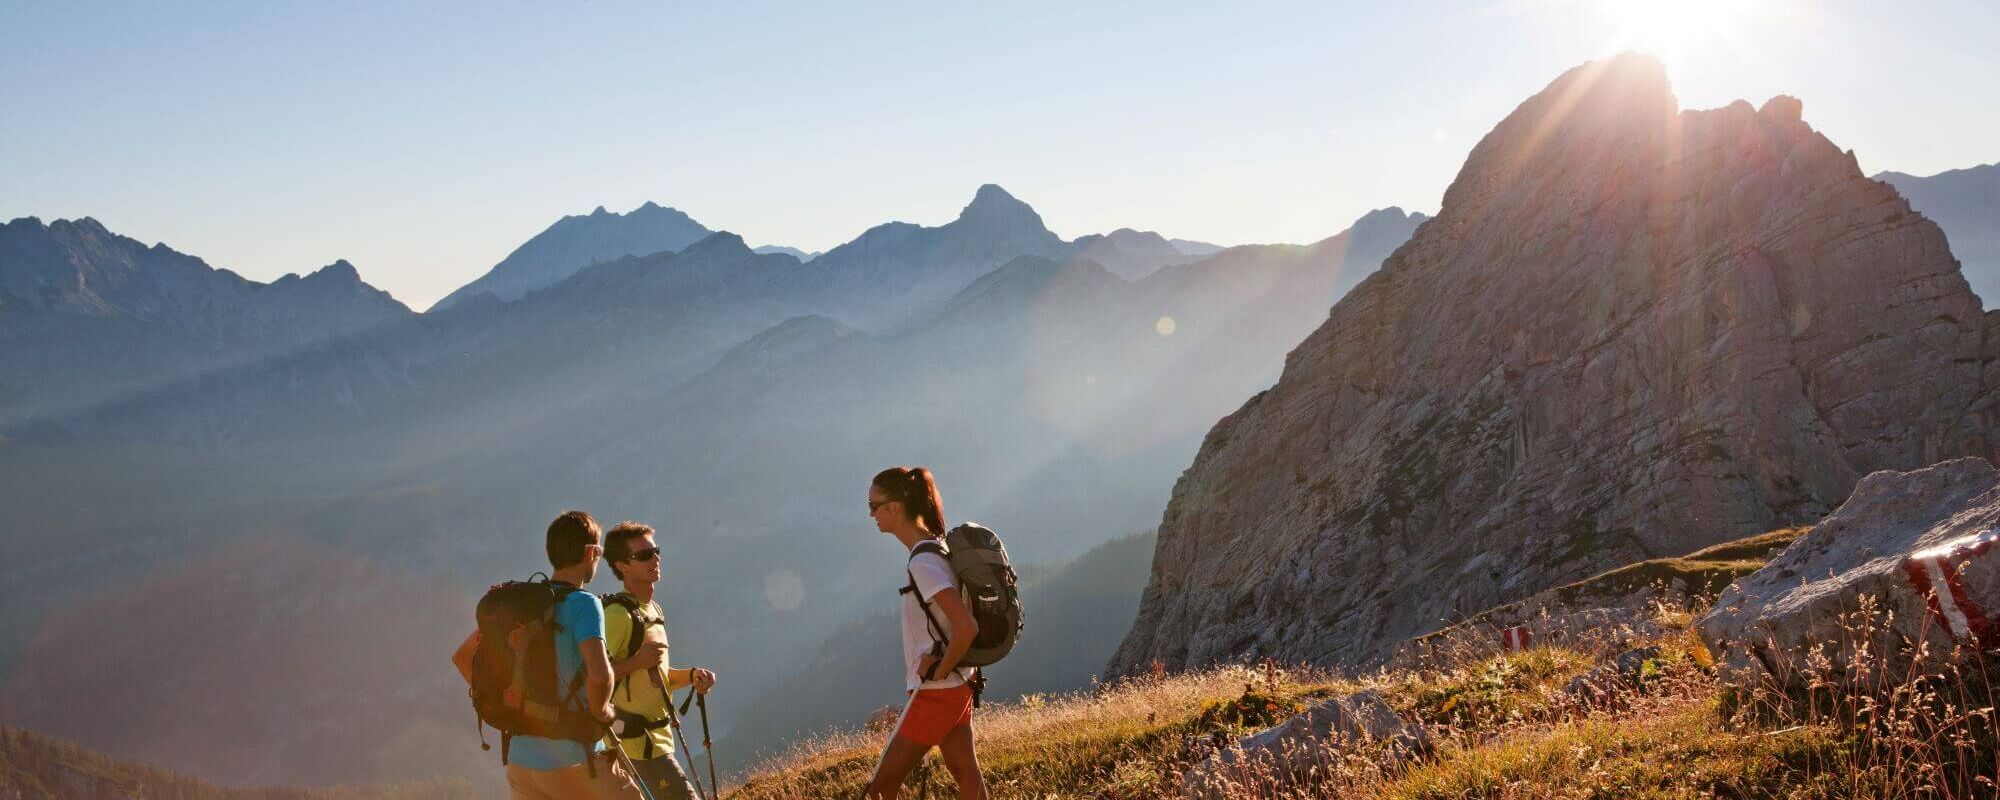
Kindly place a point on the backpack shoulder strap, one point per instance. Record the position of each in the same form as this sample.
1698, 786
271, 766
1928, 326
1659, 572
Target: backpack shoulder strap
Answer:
932, 546
626, 601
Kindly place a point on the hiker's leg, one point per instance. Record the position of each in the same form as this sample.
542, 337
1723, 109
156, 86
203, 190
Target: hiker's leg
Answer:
664, 776
963, 763
611, 781
526, 784
898, 759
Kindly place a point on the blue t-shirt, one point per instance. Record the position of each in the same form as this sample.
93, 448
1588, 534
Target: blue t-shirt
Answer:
582, 619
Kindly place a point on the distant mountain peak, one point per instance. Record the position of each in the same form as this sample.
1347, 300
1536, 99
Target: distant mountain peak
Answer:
992, 202
576, 242
718, 243
338, 269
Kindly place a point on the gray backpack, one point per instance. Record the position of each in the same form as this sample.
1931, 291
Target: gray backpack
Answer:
985, 582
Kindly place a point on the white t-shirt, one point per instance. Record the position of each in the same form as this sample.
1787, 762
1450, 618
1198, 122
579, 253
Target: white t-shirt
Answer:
933, 575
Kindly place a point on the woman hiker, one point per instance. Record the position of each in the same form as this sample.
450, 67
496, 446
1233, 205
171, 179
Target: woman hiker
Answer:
937, 630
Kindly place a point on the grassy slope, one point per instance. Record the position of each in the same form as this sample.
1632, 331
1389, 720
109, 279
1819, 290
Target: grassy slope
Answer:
1503, 725
33, 765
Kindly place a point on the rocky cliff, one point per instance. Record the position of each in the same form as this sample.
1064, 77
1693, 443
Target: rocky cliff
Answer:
1630, 331
1966, 204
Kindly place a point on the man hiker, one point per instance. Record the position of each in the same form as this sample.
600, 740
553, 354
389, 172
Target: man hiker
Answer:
635, 634
540, 768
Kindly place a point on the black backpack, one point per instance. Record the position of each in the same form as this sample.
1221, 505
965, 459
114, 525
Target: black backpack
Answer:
986, 583
514, 684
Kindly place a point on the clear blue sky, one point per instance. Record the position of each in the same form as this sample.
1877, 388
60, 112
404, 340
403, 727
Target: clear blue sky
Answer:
423, 141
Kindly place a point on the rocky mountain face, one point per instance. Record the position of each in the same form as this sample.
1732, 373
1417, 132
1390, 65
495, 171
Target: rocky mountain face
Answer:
1631, 331
86, 314
576, 242
1966, 204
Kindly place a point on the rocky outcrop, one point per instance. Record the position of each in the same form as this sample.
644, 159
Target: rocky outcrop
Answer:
1631, 331
1286, 753
1966, 204
1919, 545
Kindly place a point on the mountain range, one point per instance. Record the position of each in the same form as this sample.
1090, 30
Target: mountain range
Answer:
362, 487
86, 314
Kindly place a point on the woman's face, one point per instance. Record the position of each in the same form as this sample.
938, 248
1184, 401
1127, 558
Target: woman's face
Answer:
880, 508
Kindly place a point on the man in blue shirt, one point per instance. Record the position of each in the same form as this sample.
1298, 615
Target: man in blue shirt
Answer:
554, 769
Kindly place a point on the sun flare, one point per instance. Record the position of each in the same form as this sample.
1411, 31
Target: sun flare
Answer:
1674, 30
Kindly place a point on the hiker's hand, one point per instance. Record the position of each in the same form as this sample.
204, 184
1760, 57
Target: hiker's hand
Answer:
604, 714
649, 654
926, 665
704, 680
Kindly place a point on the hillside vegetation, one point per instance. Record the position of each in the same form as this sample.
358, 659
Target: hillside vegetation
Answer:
1505, 725
37, 766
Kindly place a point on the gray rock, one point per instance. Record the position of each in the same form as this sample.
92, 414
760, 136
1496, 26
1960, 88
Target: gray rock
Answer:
1899, 534
1606, 680
1966, 204
1284, 752
1631, 331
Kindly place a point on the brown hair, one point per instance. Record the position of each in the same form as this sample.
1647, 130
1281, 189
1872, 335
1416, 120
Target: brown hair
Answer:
917, 491
618, 543
569, 534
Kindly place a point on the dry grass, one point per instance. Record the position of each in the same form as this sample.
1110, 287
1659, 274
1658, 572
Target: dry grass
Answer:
1501, 726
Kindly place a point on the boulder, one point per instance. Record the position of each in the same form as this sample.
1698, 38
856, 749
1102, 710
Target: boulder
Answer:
1603, 683
1284, 753
1918, 545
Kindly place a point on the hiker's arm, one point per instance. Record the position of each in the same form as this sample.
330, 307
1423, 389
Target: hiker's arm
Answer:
647, 658
462, 657
596, 677
964, 628
702, 679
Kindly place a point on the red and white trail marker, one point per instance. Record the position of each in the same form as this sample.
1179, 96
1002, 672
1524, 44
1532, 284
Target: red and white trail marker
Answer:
1939, 575
1515, 639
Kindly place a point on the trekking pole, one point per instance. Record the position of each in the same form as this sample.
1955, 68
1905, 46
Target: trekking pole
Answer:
631, 770
674, 722
701, 701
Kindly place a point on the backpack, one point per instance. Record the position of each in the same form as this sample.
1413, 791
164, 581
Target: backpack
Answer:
514, 683
986, 583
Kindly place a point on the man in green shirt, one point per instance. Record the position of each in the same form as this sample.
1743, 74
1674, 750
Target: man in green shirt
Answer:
635, 636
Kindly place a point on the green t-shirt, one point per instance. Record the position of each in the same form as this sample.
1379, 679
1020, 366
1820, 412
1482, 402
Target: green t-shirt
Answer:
638, 693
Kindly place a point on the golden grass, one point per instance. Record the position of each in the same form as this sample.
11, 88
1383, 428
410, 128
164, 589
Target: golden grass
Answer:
1501, 726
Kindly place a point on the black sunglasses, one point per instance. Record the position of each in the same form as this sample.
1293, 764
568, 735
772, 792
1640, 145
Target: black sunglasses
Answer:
875, 504
647, 554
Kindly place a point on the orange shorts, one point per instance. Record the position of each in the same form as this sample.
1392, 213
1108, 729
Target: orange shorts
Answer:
932, 713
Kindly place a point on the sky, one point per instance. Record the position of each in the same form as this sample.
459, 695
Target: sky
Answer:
425, 141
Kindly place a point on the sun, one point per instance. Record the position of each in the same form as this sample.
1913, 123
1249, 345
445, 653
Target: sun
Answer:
1675, 30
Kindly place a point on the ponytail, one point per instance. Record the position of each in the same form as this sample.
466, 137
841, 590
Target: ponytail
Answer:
917, 490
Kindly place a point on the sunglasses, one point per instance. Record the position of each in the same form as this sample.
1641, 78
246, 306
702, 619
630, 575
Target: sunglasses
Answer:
876, 504
647, 554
